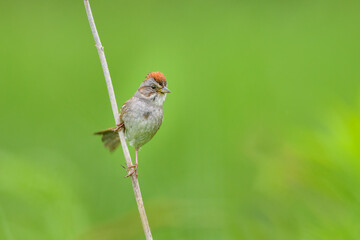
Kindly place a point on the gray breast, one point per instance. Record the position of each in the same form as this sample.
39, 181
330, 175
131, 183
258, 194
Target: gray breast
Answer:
142, 122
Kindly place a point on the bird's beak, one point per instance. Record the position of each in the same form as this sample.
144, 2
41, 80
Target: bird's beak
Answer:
165, 90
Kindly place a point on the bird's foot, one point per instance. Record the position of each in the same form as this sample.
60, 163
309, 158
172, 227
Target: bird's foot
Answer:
132, 170
118, 127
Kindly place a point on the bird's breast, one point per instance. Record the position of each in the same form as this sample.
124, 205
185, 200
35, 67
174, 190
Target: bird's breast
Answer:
141, 123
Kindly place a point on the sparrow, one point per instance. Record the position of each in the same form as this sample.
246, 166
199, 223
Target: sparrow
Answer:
140, 116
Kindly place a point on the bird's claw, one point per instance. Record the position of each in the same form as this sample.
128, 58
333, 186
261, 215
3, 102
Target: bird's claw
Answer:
132, 170
118, 127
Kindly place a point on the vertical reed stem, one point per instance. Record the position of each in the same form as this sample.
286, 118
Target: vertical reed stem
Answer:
134, 179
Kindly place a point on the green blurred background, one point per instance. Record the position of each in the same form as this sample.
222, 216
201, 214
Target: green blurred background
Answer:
261, 135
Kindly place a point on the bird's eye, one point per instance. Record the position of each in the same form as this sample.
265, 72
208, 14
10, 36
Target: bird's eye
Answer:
153, 86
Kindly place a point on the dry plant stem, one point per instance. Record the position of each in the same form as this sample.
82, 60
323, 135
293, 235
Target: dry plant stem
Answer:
134, 180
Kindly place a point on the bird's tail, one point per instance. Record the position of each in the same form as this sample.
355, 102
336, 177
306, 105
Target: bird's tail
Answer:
110, 138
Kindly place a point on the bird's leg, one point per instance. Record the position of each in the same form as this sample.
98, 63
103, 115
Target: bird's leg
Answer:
136, 151
134, 167
118, 127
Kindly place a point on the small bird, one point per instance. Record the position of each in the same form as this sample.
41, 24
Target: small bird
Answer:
140, 117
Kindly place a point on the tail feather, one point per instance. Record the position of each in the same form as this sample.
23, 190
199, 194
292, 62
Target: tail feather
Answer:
110, 138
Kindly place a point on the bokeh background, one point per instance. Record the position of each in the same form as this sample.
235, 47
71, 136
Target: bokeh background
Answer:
261, 135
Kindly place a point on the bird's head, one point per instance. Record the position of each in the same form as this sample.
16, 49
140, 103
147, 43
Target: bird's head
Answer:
154, 88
